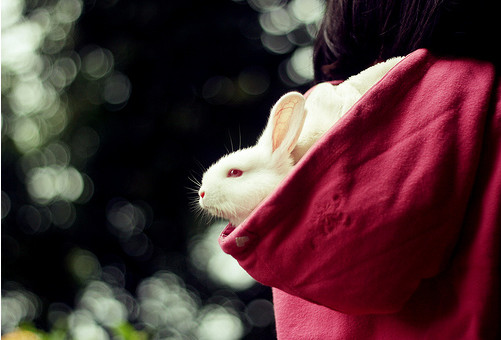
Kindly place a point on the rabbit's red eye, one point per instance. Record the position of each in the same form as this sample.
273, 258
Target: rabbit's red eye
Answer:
235, 173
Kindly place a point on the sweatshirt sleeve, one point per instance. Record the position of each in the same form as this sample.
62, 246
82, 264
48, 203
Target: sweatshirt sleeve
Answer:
378, 203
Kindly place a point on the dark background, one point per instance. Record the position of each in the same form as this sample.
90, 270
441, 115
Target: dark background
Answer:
176, 55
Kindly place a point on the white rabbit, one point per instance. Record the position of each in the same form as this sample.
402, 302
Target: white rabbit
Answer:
235, 185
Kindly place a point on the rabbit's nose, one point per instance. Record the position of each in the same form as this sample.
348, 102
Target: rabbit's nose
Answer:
202, 194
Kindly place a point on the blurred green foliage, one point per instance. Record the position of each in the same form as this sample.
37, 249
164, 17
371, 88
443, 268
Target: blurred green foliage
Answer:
108, 107
124, 331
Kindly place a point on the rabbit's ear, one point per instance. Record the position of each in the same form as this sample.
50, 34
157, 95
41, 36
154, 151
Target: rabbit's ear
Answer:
286, 122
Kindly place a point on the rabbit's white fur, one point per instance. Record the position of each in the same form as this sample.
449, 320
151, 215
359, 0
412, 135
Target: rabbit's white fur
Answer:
327, 103
294, 125
263, 166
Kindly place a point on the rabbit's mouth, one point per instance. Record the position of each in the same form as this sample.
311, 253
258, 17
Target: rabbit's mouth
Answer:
222, 208
215, 211
230, 212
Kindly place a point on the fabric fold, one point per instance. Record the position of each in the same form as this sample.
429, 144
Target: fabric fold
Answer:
379, 203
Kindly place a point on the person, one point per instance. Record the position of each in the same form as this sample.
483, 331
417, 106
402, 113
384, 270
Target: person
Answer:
389, 227
358, 33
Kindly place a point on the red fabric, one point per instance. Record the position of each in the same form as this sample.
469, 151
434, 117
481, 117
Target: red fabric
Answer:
389, 228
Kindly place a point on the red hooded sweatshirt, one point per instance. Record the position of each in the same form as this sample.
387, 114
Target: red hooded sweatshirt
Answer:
389, 227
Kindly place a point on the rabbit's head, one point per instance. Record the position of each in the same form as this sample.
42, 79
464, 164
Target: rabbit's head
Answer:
235, 185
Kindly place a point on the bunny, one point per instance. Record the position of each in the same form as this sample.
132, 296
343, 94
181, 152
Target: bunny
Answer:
233, 186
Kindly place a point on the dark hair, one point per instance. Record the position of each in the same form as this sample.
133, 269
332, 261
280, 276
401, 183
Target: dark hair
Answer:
358, 33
